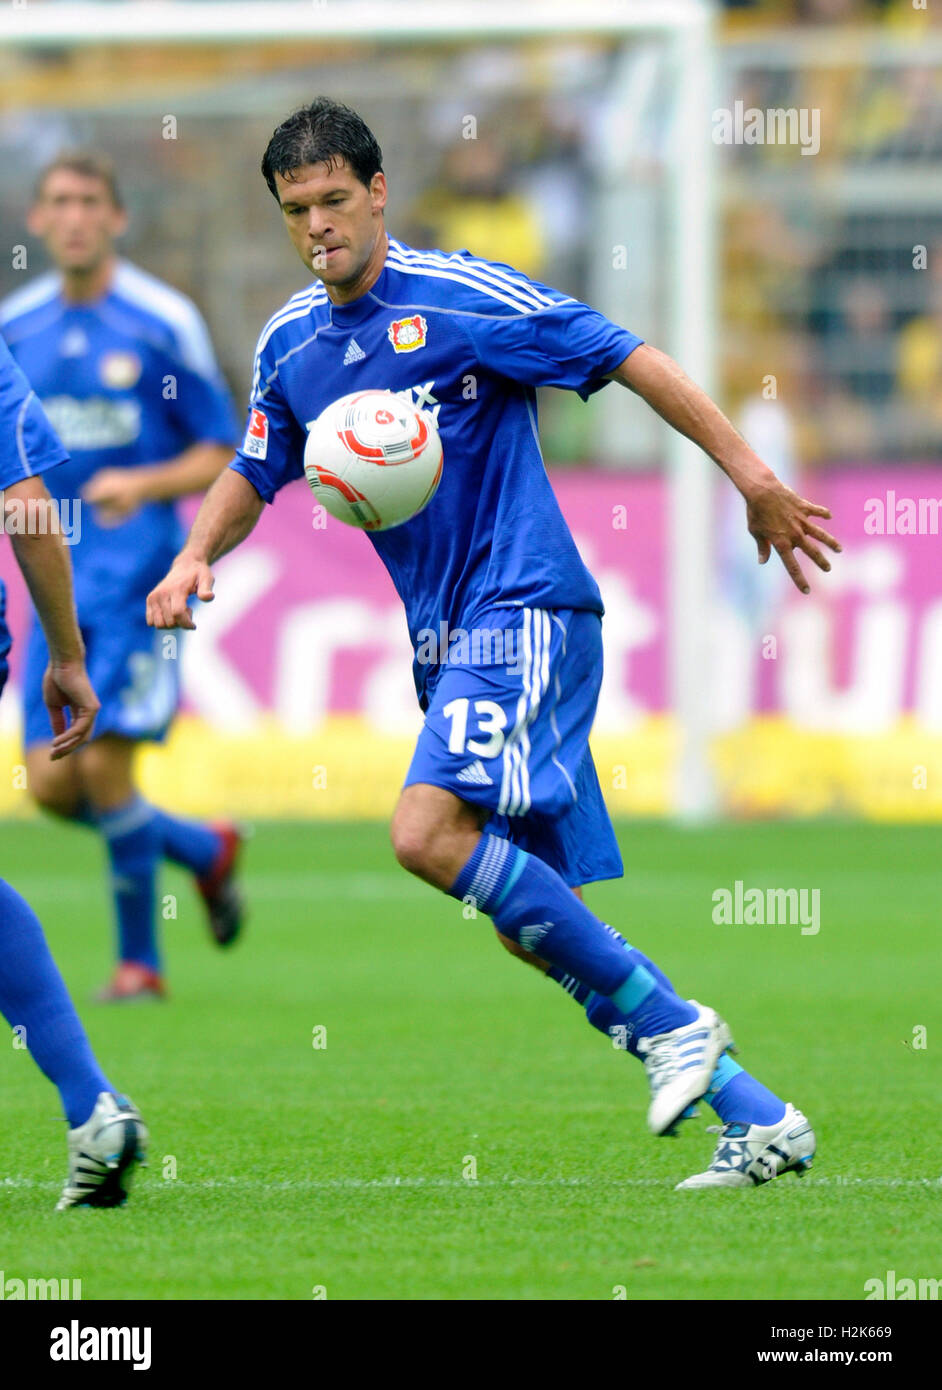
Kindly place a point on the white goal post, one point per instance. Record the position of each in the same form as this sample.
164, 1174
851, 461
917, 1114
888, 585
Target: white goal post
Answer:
686, 28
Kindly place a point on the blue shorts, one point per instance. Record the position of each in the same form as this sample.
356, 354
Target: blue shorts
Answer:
135, 673
507, 729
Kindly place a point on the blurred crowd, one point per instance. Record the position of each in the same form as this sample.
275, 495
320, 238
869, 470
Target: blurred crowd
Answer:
833, 274
831, 266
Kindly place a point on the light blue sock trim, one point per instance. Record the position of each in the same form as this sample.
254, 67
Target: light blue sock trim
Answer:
630, 995
517, 869
726, 1069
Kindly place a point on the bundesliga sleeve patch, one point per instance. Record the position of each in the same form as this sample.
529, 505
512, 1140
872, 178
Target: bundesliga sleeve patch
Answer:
256, 436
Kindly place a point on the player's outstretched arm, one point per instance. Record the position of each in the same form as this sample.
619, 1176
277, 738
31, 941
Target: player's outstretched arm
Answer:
44, 563
229, 510
118, 492
776, 516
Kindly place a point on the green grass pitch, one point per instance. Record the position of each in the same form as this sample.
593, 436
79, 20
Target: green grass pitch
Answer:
278, 1168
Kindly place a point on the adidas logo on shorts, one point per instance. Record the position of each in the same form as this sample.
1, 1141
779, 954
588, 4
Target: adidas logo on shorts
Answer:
475, 774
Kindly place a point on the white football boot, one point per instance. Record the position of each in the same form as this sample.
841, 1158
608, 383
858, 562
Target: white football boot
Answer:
680, 1065
747, 1155
103, 1153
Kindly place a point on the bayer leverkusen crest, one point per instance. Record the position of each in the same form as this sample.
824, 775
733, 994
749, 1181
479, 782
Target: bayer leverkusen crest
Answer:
406, 335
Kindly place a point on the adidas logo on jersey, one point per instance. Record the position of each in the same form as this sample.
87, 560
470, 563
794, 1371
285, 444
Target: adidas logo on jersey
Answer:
354, 353
475, 774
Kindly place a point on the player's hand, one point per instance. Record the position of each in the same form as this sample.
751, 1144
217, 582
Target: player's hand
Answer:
779, 519
66, 687
115, 493
167, 603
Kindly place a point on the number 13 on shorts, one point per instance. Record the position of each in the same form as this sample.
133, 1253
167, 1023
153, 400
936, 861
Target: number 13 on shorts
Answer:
490, 719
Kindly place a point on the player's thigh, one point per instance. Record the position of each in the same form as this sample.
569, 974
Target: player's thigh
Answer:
55, 786
434, 832
106, 771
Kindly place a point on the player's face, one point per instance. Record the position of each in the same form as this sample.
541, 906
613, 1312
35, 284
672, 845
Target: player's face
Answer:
76, 219
335, 222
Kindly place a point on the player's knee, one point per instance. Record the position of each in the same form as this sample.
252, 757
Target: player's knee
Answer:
412, 844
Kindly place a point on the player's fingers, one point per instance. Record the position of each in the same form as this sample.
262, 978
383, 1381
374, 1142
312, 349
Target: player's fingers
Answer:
57, 718
823, 536
172, 605
787, 557
813, 553
765, 550
158, 614
814, 508
164, 608
83, 720
203, 586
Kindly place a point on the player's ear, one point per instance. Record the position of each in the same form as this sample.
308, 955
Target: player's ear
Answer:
36, 220
119, 221
378, 191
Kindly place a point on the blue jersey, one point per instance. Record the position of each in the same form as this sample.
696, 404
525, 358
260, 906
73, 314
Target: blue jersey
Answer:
28, 444
468, 340
129, 379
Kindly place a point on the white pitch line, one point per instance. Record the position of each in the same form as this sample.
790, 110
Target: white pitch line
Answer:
390, 1183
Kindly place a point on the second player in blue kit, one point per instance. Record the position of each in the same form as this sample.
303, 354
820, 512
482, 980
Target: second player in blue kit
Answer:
501, 807
126, 373
107, 1137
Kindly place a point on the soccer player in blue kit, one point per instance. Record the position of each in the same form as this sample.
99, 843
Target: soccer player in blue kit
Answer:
501, 806
125, 370
107, 1136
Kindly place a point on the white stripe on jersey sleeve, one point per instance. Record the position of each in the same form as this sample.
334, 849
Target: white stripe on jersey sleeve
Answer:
297, 307
434, 274
488, 272
20, 432
179, 314
31, 296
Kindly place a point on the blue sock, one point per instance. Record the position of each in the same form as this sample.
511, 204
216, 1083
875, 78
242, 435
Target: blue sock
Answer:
571, 985
600, 1012
134, 849
187, 842
33, 996
529, 903
739, 1098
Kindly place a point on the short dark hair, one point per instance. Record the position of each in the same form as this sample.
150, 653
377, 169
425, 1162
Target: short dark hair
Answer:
319, 134
91, 163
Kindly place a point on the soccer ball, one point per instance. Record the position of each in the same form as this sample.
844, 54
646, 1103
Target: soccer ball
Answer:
373, 460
